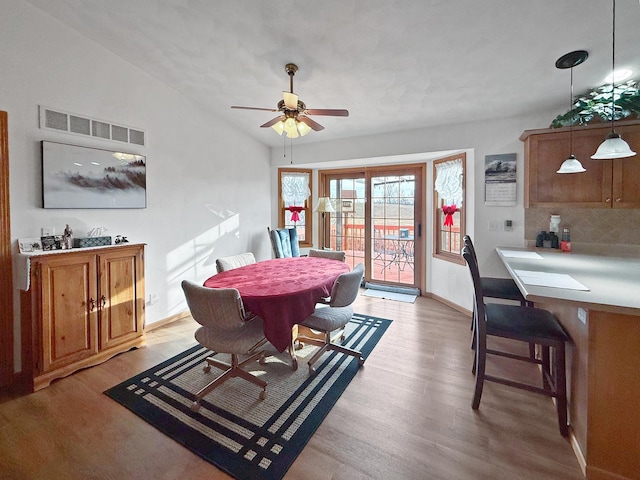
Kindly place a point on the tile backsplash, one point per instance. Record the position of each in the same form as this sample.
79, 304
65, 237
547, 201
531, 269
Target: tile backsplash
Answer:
616, 226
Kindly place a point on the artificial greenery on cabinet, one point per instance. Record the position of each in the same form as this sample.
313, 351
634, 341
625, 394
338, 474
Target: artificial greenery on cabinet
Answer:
595, 106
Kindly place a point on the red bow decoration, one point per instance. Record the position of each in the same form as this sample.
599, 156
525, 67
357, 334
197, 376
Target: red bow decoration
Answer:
449, 210
294, 213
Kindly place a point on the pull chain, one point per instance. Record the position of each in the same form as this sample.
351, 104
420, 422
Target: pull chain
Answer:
284, 148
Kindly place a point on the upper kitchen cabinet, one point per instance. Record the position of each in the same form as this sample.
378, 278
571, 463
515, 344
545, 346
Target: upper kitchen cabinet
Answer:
605, 184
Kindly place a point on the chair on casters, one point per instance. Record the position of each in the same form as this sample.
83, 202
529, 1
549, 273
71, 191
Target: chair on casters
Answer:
332, 254
234, 261
525, 324
284, 242
335, 315
224, 329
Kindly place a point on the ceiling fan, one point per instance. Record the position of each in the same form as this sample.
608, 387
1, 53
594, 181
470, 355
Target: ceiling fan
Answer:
294, 119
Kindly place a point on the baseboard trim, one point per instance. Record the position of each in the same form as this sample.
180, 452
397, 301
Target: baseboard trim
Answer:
167, 321
451, 304
577, 451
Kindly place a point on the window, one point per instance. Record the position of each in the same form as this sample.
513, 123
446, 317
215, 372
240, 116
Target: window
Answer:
294, 203
449, 218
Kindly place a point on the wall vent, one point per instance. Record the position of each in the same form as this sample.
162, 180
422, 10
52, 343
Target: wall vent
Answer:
60, 121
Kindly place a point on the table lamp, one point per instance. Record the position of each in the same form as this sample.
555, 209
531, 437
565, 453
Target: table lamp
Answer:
324, 206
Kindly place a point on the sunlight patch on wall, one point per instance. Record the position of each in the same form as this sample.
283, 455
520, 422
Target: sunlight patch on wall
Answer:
195, 258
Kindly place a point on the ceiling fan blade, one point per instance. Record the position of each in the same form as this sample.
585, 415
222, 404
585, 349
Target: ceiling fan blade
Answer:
256, 108
290, 100
273, 121
311, 123
327, 111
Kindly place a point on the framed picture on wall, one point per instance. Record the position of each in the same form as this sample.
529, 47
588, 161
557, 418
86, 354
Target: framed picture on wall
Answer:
83, 177
500, 180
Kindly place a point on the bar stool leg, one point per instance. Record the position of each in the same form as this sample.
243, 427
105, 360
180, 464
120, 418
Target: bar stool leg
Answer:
561, 387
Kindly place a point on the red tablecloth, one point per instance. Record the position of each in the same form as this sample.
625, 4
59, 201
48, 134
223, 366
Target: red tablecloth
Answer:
283, 291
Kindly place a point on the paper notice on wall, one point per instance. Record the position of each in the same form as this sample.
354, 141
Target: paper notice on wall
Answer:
500, 180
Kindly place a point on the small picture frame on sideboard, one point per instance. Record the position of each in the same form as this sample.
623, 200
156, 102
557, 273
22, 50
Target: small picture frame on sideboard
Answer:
30, 245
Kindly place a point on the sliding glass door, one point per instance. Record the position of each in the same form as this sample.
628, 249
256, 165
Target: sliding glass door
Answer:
377, 221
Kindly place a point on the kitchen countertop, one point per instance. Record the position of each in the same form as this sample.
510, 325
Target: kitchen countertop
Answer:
613, 282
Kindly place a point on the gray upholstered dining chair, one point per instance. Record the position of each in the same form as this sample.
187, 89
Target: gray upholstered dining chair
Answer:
335, 315
332, 254
284, 242
234, 261
224, 329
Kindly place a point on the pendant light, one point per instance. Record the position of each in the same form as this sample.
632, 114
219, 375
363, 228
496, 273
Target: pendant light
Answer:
614, 146
570, 60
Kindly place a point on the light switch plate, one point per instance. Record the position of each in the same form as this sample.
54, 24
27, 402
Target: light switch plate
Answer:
582, 315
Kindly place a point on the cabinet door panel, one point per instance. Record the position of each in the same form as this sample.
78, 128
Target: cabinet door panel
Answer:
605, 184
545, 155
69, 318
626, 172
121, 296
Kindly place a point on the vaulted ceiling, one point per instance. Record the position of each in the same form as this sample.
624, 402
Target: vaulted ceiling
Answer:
394, 64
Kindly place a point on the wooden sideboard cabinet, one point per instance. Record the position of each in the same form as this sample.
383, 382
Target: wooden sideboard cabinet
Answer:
83, 307
605, 184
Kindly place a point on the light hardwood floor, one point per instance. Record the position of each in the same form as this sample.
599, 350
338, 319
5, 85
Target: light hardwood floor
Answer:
406, 415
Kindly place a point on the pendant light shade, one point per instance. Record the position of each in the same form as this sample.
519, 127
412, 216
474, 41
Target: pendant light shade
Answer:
614, 146
570, 60
571, 165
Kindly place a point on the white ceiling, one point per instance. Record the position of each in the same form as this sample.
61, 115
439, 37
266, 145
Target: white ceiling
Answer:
394, 64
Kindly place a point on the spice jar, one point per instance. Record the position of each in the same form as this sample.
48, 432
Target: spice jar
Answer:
565, 243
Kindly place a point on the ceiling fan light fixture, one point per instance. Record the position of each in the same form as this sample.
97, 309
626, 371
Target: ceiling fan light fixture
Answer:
294, 117
571, 165
278, 127
291, 128
303, 128
613, 147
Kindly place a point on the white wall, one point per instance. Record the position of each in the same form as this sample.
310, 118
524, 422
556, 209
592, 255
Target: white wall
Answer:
196, 163
445, 279
205, 181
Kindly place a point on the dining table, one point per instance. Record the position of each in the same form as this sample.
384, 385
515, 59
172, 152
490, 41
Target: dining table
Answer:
282, 291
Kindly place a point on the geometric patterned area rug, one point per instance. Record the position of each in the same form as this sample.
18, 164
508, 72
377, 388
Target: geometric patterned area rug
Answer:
247, 437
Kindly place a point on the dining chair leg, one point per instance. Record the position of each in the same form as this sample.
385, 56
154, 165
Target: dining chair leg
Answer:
292, 355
